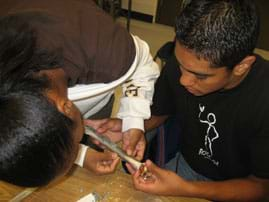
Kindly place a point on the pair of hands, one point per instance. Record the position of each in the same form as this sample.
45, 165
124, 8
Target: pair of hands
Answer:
106, 162
133, 140
162, 182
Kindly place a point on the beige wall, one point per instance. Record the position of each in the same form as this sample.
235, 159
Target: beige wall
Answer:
142, 6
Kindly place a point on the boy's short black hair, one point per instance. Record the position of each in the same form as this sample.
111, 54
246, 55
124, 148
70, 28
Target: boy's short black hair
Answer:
222, 32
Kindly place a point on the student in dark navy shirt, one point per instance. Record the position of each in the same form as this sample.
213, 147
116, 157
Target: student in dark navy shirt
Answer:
61, 60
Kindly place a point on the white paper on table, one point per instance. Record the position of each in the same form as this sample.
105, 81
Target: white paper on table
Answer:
88, 198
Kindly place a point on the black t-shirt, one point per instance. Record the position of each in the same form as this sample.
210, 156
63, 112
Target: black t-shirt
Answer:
225, 134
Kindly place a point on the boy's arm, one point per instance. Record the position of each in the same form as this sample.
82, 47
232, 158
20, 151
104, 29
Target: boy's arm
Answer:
154, 122
136, 99
137, 91
165, 182
245, 189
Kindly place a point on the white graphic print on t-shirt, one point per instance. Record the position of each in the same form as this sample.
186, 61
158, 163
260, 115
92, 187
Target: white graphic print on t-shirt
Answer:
210, 136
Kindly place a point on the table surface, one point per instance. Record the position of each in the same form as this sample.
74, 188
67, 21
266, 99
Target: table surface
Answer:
116, 187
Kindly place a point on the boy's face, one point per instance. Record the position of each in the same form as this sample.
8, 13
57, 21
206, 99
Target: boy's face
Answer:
58, 95
78, 130
198, 77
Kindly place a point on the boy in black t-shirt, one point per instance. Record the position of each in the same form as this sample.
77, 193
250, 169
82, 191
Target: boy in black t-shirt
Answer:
218, 89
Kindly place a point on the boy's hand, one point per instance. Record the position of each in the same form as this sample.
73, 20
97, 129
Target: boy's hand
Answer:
101, 162
134, 143
161, 182
110, 128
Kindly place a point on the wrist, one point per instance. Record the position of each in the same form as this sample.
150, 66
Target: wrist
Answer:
184, 188
81, 155
194, 189
191, 189
89, 159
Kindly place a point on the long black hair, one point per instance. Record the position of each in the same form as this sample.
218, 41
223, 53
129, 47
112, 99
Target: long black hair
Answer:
36, 140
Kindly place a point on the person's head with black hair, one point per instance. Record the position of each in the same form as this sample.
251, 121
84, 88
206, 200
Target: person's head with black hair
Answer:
37, 142
215, 43
40, 129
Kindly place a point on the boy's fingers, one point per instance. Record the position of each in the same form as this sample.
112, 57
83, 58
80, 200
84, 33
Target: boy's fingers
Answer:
115, 162
130, 168
114, 155
106, 126
139, 151
96, 124
150, 165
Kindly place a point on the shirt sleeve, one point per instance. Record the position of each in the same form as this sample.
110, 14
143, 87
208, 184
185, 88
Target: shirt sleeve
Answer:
137, 91
164, 99
81, 155
259, 148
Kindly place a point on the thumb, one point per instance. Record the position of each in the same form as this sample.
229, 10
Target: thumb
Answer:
106, 126
130, 140
152, 167
109, 156
95, 123
129, 147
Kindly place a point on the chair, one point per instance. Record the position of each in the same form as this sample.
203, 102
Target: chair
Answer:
165, 52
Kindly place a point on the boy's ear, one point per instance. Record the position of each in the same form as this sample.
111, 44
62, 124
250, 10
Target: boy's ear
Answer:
62, 103
244, 66
65, 107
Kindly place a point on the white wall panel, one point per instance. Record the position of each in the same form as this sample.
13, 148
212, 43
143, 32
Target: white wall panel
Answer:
142, 6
